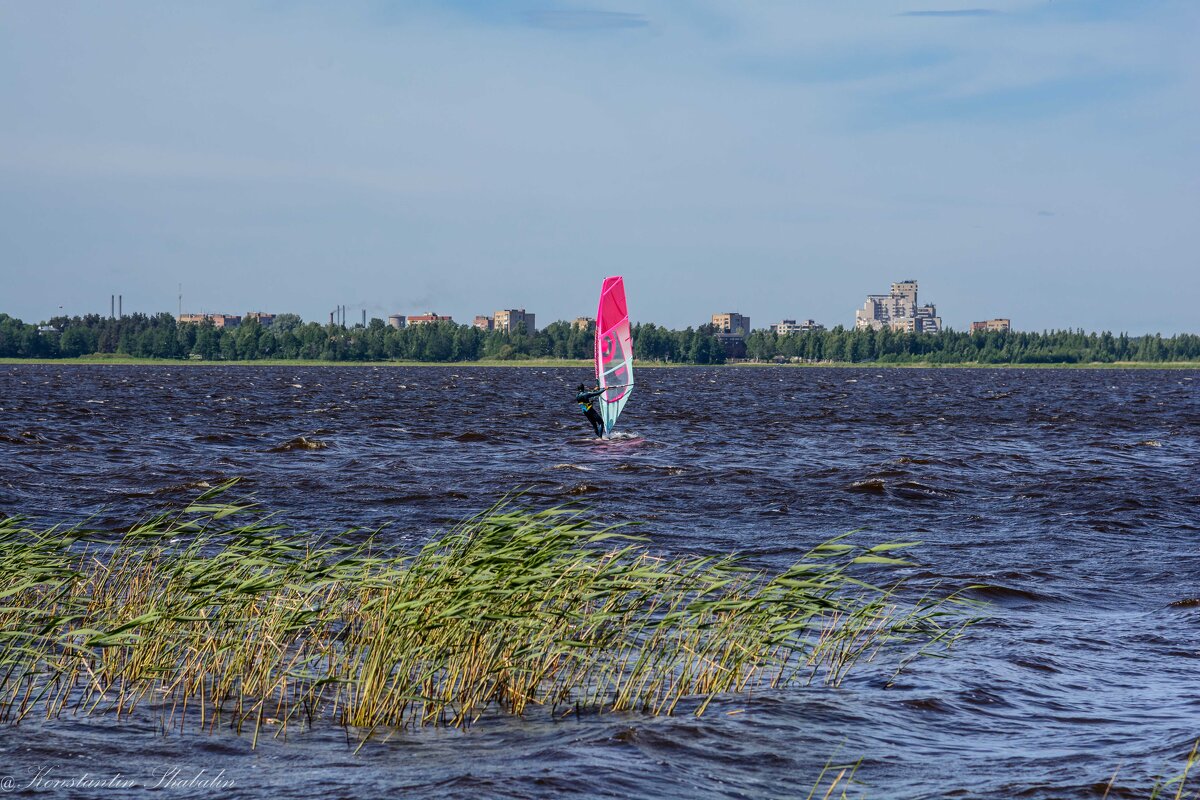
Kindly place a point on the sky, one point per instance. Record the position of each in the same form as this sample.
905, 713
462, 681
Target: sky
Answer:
1032, 160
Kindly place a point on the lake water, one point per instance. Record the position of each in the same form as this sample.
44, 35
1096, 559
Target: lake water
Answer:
1073, 494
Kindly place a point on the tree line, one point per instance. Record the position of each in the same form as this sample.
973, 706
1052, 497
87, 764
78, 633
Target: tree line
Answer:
289, 337
954, 347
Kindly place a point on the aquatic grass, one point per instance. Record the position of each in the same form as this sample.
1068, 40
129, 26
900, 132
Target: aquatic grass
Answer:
1163, 787
840, 778
220, 615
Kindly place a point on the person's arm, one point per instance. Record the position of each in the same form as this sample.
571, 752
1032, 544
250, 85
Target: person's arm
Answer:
597, 393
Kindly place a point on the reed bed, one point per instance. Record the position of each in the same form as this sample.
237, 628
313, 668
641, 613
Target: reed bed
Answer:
219, 615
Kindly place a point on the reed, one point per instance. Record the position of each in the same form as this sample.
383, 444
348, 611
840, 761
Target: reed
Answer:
220, 615
1177, 787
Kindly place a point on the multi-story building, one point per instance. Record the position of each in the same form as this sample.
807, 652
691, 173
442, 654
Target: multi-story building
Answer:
510, 320
731, 324
731, 330
926, 320
218, 320
397, 321
263, 317
583, 323
484, 323
898, 311
790, 326
991, 325
428, 318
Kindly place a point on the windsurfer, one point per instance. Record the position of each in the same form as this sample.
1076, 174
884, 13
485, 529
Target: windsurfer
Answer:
585, 397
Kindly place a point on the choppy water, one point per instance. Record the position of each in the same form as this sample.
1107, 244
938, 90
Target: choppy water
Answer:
1075, 494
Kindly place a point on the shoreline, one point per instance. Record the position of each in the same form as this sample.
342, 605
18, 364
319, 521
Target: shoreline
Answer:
126, 361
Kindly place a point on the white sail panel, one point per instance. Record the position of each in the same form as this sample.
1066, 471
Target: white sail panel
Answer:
614, 351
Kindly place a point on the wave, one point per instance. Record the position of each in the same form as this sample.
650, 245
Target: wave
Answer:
299, 443
1004, 595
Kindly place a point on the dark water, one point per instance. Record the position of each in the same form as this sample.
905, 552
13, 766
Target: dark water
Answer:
1075, 494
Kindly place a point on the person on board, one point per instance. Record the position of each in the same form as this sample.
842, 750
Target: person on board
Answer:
585, 397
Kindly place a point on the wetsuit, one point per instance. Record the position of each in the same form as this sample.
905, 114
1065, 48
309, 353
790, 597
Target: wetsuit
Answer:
585, 399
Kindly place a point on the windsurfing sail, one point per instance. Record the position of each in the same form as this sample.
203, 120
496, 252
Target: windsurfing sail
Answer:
614, 351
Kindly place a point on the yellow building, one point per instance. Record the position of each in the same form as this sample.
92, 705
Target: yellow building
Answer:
731, 324
991, 326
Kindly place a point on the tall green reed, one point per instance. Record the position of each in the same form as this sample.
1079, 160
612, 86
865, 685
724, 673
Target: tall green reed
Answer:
221, 615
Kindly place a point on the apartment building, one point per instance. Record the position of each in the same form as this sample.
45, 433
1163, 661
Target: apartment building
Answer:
991, 326
510, 320
790, 326
428, 318
731, 324
898, 311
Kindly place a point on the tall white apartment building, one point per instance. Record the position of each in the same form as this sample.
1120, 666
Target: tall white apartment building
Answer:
898, 311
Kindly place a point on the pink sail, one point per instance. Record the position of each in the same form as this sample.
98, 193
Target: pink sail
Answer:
614, 351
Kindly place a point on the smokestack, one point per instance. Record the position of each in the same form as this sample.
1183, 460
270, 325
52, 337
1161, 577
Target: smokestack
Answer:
112, 306
364, 318
120, 313
331, 319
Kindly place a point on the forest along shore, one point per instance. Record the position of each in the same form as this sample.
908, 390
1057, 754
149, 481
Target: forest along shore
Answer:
117, 360
289, 337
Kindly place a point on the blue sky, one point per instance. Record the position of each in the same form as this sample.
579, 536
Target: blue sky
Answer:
1033, 160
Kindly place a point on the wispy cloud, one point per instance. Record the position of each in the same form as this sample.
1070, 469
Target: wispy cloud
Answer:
1007, 105
836, 66
958, 12
585, 20
445, 154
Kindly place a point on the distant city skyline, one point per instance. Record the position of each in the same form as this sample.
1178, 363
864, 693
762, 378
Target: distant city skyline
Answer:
1036, 162
499, 319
